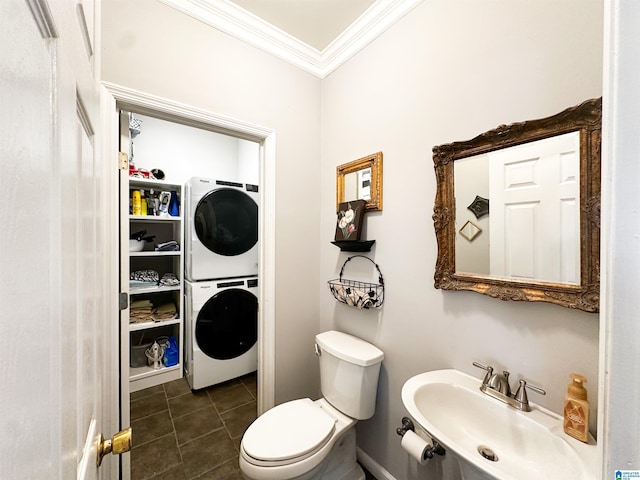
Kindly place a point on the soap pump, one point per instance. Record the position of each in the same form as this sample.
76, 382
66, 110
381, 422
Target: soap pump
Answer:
576, 409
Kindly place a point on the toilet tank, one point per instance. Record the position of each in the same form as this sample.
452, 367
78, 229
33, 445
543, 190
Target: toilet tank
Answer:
349, 369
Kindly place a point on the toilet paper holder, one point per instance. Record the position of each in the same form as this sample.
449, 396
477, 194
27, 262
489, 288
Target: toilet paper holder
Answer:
435, 449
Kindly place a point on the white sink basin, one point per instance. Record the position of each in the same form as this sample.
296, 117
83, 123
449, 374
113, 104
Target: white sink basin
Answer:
449, 406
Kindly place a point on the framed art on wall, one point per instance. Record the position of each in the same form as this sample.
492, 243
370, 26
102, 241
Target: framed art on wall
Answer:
349, 222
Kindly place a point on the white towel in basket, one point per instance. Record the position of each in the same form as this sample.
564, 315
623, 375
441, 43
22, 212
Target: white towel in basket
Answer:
359, 298
340, 292
366, 302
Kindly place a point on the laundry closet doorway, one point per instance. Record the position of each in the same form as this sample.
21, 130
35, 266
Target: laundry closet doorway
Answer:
253, 148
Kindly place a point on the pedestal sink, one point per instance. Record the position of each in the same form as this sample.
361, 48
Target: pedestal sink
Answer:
491, 439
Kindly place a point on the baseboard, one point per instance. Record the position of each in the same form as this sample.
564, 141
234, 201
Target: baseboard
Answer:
374, 467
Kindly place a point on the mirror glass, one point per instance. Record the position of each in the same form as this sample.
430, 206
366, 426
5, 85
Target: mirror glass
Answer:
531, 228
361, 180
357, 185
517, 210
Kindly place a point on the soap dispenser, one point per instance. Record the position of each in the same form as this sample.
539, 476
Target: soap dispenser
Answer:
576, 409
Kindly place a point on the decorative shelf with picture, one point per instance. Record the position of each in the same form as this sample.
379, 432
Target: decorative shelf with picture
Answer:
349, 227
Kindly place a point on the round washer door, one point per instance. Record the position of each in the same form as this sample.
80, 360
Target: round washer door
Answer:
226, 221
227, 324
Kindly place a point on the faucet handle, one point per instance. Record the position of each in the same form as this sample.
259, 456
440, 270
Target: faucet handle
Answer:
489, 373
521, 393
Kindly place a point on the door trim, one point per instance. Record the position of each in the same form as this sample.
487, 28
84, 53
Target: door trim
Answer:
122, 97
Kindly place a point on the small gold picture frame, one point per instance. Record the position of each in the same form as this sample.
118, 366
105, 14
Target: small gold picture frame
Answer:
366, 173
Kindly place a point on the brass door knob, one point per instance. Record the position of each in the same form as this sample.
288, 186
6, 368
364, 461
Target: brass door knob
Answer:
119, 443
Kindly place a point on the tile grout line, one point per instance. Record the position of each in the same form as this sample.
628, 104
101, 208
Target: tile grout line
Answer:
175, 437
173, 425
218, 413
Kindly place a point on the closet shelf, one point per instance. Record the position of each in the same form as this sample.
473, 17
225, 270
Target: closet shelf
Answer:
152, 183
153, 218
147, 269
141, 290
154, 254
134, 327
142, 372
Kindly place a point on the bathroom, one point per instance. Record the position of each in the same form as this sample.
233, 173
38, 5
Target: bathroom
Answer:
436, 76
446, 71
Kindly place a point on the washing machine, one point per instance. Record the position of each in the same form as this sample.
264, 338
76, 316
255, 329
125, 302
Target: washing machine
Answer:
221, 327
221, 229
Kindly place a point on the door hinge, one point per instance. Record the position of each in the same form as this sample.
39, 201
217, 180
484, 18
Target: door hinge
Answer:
123, 161
123, 300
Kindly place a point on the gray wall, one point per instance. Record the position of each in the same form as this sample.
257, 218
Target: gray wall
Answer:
449, 71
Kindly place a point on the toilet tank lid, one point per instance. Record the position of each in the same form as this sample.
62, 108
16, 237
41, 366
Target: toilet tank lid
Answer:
349, 348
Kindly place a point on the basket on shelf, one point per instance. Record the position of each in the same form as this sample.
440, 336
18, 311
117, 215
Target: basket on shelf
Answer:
362, 295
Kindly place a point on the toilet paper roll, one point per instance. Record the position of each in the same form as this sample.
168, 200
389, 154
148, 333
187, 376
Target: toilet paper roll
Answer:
415, 446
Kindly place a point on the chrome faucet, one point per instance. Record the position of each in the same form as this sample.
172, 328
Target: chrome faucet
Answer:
496, 385
500, 383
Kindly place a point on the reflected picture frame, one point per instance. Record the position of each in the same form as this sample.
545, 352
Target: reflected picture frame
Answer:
470, 230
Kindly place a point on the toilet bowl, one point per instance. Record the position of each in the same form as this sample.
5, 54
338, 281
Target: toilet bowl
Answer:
298, 440
312, 440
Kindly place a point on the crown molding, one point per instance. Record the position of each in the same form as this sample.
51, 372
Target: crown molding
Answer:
238, 22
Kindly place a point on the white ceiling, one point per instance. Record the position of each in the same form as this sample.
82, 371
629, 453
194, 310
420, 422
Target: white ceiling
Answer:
314, 22
315, 35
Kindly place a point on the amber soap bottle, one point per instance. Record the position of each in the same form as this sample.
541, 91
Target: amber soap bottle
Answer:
576, 409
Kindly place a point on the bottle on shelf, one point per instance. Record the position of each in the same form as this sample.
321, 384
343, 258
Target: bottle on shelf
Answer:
136, 203
143, 204
174, 208
151, 204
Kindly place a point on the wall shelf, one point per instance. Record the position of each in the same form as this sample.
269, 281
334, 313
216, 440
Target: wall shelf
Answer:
354, 245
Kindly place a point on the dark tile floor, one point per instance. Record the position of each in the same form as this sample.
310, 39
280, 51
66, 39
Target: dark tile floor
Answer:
183, 435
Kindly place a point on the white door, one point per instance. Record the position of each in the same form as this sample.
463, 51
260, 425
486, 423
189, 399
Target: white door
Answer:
58, 376
534, 212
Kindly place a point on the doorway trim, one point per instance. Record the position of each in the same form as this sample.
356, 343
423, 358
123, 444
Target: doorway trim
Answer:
116, 97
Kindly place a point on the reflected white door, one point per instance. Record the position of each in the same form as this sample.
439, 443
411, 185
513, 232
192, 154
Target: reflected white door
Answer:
534, 210
55, 354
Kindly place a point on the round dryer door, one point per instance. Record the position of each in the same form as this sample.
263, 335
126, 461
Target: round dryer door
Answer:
226, 221
227, 325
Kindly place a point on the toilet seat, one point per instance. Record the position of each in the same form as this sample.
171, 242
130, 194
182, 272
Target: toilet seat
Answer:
288, 433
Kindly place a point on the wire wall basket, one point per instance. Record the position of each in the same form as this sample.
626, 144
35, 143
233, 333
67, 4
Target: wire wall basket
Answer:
362, 295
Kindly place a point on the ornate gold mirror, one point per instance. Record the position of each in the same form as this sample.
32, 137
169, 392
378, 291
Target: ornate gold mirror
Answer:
517, 210
361, 180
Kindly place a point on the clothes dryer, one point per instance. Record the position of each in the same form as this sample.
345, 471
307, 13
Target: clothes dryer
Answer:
221, 229
221, 325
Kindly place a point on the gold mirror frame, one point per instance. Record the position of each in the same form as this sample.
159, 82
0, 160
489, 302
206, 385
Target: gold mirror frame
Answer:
373, 161
585, 118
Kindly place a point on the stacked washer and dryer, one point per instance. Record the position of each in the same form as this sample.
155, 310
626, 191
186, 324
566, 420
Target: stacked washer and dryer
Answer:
221, 321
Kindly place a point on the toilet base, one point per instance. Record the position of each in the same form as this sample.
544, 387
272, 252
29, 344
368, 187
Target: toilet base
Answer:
342, 463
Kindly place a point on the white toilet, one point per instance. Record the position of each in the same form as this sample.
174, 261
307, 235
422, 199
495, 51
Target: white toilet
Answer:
304, 439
